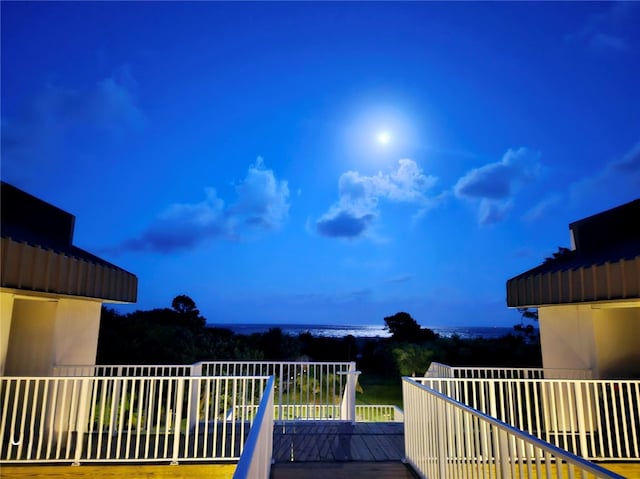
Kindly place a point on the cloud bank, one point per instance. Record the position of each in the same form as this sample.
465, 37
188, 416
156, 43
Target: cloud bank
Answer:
617, 182
357, 208
261, 204
609, 30
56, 115
494, 185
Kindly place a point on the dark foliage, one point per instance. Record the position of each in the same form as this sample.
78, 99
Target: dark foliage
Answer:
561, 255
179, 336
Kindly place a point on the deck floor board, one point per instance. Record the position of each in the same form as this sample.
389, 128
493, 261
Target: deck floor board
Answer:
304, 450
324, 441
342, 470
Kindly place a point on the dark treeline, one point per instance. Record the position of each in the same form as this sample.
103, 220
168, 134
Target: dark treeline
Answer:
179, 335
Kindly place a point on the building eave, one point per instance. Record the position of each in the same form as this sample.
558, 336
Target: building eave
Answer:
609, 281
32, 268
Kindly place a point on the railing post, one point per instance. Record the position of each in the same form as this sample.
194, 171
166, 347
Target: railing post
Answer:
493, 407
196, 372
442, 439
281, 386
348, 408
504, 460
82, 419
178, 419
580, 413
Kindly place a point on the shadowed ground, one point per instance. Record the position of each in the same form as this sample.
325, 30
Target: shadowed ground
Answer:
325, 441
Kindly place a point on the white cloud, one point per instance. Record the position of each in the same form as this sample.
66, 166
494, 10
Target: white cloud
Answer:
358, 206
494, 185
262, 199
543, 207
492, 212
262, 204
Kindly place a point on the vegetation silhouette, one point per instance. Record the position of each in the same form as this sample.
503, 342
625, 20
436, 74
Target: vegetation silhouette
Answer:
180, 335
404, 328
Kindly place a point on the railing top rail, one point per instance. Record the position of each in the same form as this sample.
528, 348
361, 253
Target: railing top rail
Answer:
199, 363
345, 363
122, 365
529, 380
128, 378
550, 448
244, 464
505, 368
520, 370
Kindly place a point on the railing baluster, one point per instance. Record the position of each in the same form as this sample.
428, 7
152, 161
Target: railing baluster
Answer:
566, 413
21, 434
140, 415
58, 412
634, 417
508, 452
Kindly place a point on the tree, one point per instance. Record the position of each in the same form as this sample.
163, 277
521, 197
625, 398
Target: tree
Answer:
561, 255
402, 327
184, 304
187, 311
526, 313
412, 359
527, 330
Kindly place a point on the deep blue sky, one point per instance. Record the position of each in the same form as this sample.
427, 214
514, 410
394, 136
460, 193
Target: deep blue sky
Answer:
229, 151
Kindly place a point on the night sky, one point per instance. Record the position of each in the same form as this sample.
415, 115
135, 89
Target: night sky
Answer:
324, 162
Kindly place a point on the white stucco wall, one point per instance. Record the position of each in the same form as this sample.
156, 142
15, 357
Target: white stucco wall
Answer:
567, 337
30, 340
6, 312
76, 331
45, 332
617, 333
587, 336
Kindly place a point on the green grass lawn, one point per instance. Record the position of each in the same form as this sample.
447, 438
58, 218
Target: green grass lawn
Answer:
379, 390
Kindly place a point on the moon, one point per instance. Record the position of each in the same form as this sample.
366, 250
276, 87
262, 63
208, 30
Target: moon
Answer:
383, 137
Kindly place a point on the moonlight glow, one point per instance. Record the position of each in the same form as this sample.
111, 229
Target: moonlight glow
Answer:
383, 138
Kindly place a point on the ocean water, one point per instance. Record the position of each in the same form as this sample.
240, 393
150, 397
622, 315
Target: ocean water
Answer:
363, 331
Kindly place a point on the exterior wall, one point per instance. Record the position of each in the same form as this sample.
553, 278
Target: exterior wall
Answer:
567, 337
76, 331
48, 332
588, 336
6, 312
617, 332
31, 338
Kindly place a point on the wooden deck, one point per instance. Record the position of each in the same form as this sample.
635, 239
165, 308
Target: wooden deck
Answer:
110, 471
327, 441
291, 470
342, 470
301, 450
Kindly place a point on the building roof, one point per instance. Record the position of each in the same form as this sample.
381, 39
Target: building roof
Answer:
604, 264
38, 254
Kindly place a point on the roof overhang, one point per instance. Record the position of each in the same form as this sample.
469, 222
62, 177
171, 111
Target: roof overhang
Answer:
30, 268
610, 281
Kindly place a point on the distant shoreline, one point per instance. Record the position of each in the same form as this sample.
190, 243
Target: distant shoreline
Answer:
362, 331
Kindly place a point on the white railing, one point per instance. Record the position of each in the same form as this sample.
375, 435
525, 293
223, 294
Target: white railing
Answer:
379, 413
363, 413
94, 419
595, 419
129, 370
439, 370
298, 385
445, 439
255, 462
